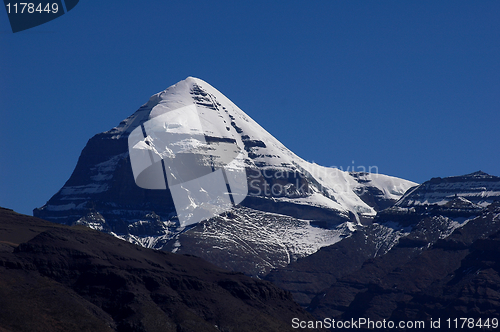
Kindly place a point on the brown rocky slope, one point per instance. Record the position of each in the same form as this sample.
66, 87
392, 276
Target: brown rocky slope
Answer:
60, 278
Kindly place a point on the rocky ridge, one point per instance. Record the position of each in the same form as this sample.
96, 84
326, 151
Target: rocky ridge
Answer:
420, 258
60, 278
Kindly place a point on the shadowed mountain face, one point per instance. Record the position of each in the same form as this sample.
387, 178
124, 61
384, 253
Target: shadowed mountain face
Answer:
458, 276
434, 254
60, 278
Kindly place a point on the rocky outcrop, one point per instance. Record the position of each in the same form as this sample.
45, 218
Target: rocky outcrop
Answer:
455, 277
414, 242
59, 278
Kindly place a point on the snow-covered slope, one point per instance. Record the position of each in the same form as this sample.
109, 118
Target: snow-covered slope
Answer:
321, 204
265, 156
477, 188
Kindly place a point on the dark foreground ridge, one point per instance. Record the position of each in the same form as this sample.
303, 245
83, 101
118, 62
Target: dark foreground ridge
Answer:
60, 278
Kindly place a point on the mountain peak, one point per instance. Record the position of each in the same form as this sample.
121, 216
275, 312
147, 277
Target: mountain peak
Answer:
192, 79
283, 189
181, 94
478, 174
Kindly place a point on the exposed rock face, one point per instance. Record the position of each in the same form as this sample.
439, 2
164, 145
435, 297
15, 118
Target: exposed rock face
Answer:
457, 276
60, 278
310, 276
404, 262
478, 188
305, 206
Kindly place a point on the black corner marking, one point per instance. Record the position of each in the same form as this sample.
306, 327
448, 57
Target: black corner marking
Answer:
70, 4
27, 15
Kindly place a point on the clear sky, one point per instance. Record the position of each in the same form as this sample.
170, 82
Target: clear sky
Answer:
412, 87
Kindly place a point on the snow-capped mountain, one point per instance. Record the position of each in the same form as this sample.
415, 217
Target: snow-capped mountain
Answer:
451, 212
475, 189
292, 209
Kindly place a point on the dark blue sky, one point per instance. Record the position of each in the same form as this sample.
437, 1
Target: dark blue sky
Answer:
412, 87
